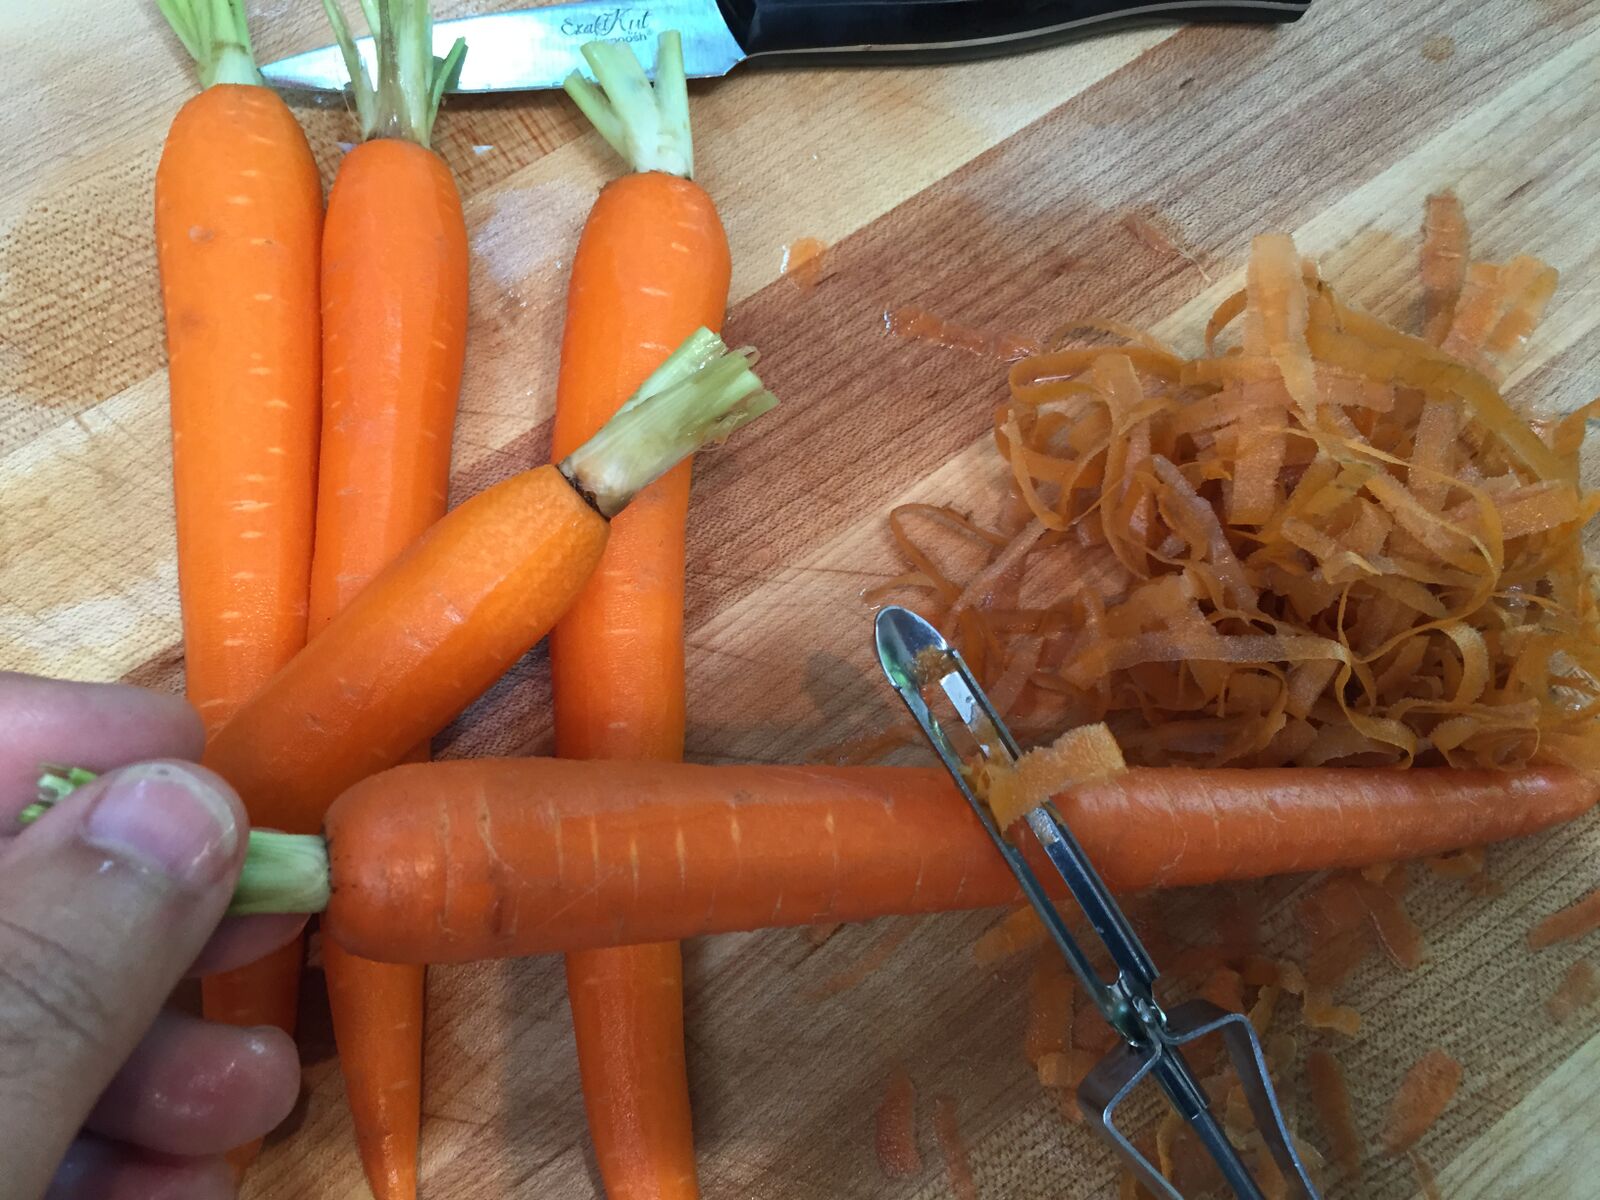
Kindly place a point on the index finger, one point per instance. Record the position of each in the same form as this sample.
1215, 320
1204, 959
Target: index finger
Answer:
97, 726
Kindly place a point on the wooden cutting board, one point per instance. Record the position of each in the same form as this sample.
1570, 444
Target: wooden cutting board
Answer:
997, 195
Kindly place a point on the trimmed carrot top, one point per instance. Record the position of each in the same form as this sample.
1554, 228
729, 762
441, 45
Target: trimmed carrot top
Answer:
404, 101
648, 126
216, 36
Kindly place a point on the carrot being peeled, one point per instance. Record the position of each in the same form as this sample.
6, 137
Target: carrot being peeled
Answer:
651, 266
457, 861
238, 205
394, 327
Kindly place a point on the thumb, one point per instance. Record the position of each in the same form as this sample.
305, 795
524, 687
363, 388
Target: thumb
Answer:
103, 905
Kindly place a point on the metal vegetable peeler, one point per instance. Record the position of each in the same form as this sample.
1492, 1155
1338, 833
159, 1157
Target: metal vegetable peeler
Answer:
918, 661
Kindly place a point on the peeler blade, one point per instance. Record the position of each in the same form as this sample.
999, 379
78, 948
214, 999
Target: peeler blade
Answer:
920, 664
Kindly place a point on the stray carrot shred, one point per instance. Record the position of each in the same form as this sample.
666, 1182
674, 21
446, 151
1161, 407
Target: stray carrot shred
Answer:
1019, 930
1224, 989
1425, 1092
1570, 923
802, 261
895, 1127
1463, 864
1397, 932
956, 1162
1579, 988
1320, 1012
918, 324
1330, 542
1049, 1026
1265, 1006
1331, 1097
1427, 1181
1444, 263
878, 953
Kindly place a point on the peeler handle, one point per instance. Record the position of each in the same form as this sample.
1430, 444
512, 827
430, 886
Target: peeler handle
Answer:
1197, 1018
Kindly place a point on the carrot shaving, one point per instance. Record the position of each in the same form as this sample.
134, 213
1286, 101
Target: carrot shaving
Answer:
1326, 541
878, 953
1331, 1098
1019, 930
1265, 1006
1397, 932
1224, 989
1049, 1009
1579, 988
1464, 864
895, 1134
920, 325
1570, 923
1425, 1092
1444, 263
1086, 754
1150, 234
1427, 1181
1320, 1012
954, 1150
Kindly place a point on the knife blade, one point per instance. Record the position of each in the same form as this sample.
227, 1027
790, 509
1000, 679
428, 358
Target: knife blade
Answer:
535, 49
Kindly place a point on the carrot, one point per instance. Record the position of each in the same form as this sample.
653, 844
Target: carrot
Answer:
652, 266
238, 218
436, 627
456, 861
394, 328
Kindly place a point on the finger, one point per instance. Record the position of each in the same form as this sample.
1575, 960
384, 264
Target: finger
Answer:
196, 1087
242, 940
92, 725
98, 1170
103, 905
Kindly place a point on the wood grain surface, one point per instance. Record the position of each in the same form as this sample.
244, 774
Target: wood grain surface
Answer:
993, 194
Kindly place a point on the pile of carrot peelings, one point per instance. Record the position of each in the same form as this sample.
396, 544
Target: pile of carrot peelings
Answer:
1323, 541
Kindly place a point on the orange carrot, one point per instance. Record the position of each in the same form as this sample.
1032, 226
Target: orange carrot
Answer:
394, 329
449, 862
446, 619
454, 861
238, 218
651, 267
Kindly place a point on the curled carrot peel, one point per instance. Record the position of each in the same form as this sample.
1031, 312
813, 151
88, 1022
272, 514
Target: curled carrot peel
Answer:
455, 861
1330, 542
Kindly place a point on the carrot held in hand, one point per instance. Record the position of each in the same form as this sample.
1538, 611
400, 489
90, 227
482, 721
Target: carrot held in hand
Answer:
492, 858
436, 627
652, 265
238, 218
394, 330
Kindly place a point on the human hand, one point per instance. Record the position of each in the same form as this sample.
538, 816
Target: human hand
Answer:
105, 904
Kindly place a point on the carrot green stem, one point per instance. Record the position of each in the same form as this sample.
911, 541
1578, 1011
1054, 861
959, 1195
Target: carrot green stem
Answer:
700, 395
648, 126
404, 102
216, 36
282, 873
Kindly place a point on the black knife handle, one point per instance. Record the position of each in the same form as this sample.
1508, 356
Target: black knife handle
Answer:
942, 30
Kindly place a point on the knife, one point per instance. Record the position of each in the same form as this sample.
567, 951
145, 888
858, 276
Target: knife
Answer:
537, 48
